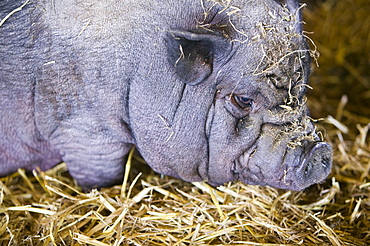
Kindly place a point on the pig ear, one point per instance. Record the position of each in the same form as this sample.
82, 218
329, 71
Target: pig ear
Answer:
193, 55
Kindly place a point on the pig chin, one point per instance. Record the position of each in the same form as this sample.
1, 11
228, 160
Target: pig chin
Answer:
292, 169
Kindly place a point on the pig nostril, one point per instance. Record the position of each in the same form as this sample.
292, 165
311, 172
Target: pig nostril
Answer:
325, 162
307, 170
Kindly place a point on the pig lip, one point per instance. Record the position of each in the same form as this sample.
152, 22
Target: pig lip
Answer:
239, 166
236, 169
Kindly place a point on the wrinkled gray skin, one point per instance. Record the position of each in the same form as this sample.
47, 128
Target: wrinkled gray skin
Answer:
206, 91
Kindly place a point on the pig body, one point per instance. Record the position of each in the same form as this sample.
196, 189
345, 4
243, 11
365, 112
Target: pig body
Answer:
206, 90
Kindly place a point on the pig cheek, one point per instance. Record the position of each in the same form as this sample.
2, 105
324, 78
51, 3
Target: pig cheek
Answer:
263, 163
226, 146
262, 167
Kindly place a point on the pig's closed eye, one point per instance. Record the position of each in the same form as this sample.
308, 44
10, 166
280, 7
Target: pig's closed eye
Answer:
243, 102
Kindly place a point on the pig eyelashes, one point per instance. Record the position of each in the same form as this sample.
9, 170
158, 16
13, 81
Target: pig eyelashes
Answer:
239, 106
243, 102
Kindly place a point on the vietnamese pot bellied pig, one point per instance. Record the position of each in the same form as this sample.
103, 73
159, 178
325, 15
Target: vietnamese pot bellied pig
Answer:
206, 89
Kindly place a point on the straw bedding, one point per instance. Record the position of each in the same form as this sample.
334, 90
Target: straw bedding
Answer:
48, 208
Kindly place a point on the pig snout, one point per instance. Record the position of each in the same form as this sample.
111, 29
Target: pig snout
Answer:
315, 164
276, 162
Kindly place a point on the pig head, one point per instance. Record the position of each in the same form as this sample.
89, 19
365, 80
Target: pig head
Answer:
206, 90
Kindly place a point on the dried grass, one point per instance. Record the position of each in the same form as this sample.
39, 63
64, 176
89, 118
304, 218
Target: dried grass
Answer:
48, 208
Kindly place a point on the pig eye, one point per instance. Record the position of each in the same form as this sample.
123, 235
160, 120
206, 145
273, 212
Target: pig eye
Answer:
243, 102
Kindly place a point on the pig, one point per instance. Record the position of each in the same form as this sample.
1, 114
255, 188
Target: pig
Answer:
207, 90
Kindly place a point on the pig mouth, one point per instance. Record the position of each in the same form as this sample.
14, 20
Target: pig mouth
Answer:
241, 164
241, 169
